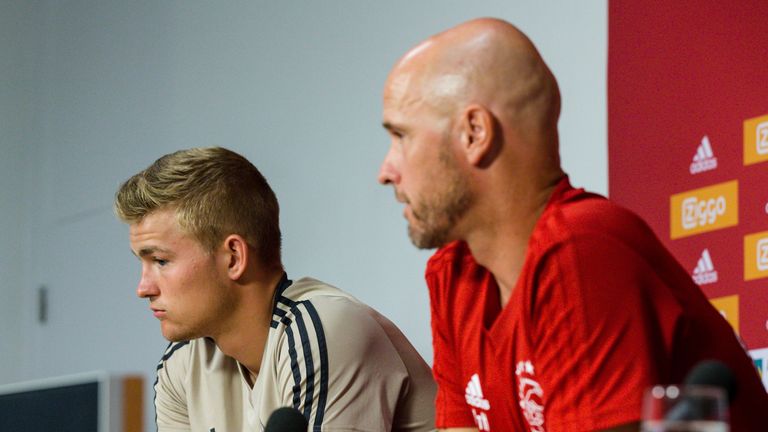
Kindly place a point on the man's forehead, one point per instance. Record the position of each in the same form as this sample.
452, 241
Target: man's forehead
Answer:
398, 98
404, 78
160, 218
159, 235
159, 224
398, 88
423, 75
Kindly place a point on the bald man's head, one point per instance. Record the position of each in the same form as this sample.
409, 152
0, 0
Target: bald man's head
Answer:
472, 116
487, 62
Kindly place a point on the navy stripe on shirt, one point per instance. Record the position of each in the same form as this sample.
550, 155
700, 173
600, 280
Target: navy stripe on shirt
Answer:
309, 366
323, 393
296, 320
294, 363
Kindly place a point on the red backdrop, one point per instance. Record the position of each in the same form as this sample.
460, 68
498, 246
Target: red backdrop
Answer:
688, 143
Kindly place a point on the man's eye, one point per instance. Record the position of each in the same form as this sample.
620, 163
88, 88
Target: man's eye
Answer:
160, 262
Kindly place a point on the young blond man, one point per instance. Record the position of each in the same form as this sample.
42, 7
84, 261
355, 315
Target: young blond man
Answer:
246, 340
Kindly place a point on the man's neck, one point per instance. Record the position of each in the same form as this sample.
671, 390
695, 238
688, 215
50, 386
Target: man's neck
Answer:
245, 337
500, 242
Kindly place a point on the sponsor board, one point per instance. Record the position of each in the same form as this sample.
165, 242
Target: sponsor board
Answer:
756, 256
728, 307
756, 140
705, 209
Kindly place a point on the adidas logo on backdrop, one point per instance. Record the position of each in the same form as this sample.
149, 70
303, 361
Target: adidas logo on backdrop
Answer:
705, 272
704, 160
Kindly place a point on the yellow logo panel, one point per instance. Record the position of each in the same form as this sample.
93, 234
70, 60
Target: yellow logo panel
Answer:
705, 209
728, 307
756, 140
756, 256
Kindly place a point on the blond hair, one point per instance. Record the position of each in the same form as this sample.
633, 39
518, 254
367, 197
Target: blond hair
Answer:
215, 192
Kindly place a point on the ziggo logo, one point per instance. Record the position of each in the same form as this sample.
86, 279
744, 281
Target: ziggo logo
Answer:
698, 213
705, 209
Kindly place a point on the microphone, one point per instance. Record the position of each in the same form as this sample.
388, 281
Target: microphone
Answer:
286, 419
711, 373
714, 373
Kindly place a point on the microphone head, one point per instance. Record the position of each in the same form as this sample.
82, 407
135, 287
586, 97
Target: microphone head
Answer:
714, 373
286, 419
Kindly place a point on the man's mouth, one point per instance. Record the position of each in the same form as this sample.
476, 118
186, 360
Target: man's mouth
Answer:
401, 198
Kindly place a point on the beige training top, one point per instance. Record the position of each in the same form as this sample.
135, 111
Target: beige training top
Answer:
339, 362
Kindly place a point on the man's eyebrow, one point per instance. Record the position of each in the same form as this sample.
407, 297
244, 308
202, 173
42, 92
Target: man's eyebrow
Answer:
149, 251
391, 127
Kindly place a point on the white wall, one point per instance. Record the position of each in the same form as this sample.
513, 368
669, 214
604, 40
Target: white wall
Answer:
16, 42
94, 91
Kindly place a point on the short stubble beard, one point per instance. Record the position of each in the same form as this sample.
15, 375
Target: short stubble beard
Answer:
436, 216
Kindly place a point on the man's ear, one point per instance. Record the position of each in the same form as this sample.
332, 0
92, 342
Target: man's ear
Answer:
236, 256
477, 133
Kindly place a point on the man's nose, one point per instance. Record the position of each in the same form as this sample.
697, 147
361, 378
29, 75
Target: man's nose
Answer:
388, 172
147, 287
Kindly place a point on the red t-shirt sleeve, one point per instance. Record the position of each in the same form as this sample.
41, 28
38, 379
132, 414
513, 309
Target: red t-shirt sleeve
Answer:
595, 354
451, 409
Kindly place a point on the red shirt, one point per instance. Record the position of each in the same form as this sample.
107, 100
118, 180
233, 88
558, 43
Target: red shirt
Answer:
600, 312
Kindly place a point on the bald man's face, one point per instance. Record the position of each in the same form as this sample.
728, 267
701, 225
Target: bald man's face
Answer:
420, 163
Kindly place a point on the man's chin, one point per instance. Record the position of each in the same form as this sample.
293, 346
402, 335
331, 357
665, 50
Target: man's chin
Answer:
425, 240
173, 335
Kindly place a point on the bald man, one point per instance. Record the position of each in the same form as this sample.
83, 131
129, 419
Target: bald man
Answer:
552, 308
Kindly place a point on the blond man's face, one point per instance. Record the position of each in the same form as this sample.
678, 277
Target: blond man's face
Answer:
185, 288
